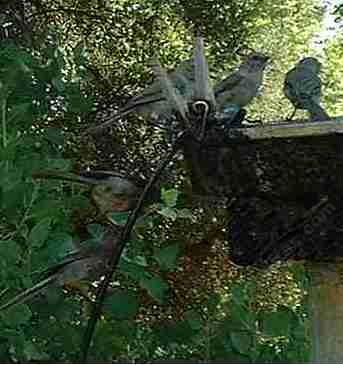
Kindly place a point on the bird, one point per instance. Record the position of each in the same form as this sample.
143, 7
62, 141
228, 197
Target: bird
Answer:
238, 89
87, 262
302, 87
151, 102
111, 192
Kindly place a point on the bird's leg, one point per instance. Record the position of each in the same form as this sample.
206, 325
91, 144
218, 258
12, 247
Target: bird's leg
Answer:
231, 117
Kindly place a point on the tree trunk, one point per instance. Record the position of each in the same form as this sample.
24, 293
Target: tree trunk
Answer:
326, 305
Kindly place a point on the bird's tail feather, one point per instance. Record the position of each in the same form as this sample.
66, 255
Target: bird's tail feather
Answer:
317, 113
28, 293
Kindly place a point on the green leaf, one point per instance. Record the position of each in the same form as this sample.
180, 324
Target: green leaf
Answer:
156, 287
112, 337
54, 135
194, 319
180, 332
96, 231
242, 342
212, 303
122, 305
167, 256
119, 219
10, 254
242, 292
59, 164
59, 245
10, 179
138, 260
17, 315
19, 112
277, 323
33, 352
40, 232
59, 84
242, 318
46, 208
184, 213
132, 270
168, 213
169, 197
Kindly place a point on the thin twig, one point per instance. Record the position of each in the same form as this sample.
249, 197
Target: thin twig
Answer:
114, 260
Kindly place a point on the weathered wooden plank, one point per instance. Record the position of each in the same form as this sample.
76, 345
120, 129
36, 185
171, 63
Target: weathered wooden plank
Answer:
292, 129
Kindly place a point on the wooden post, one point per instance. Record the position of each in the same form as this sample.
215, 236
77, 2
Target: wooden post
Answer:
326, 305
286, 183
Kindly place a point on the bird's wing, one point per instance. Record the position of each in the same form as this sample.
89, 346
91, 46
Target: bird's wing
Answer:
74, 256
302, 85
149, 96
171, 93
29, 293
154, 92
228, 83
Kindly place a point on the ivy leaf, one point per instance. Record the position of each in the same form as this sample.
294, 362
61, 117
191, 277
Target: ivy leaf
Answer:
59, 164
119, 219
60, 244
40, 232
277, 323
19, 112
33, 352
9, 252
167, 256
169, 197
137, 260
122, 305
168, 213
156, 287
184, 213
54, 135
131, 269
180, 332
242, 342
194, 320
58, 83
96, 231
241, 317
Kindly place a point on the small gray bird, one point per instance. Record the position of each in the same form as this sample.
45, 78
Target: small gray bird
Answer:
242, 86
111, 192
152, 102
238, 89
86, 263
302, 87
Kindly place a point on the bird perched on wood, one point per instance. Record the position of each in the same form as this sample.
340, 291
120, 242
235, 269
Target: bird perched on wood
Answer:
89, 262
111, 192
238, 89
302, 87
152, 102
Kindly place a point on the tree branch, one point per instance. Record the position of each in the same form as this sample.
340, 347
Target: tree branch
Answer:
114, 260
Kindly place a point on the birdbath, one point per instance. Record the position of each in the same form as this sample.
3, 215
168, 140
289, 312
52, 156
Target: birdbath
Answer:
285, 182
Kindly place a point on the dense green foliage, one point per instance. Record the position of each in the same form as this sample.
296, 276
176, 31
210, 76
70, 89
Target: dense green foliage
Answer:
68, 65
